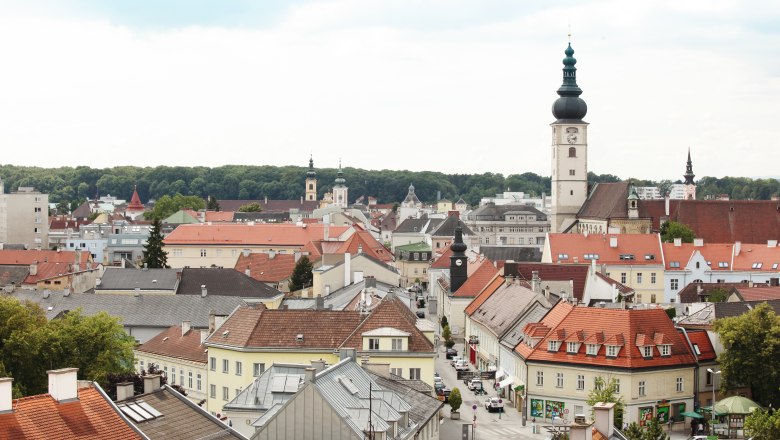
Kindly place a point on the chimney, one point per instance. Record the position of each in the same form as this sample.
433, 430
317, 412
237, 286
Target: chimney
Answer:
771, 243
535, 281
311, 375
613, 242
678, 242
698, 242
325, 229
6, 395
581, 431
124, 391
151, 383
360, 249
63, 384
318, 365
737, 248
246, 252
271, 254
137, 291
46, 293
185, 327
666, 205
604, 414
248, 272
319, 303
348, 353
297, 256
204, 334
34, 268
203, 291
347, 269
382, 369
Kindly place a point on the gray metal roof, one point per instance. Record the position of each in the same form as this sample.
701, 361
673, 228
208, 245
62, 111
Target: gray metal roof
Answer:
447, 227
115, 278
534, 313
258, 396
511, 253
223, 282
505, 306
424, 406
491, 211
137, 311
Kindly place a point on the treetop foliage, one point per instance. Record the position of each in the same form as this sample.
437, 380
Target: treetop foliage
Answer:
247, 182
672, 229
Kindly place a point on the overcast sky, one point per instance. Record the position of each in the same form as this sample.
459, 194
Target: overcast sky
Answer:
451, 86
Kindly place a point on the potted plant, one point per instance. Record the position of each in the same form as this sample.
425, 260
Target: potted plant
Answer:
455, 401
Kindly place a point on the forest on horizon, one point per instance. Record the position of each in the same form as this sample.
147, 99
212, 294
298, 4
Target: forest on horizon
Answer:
75, 184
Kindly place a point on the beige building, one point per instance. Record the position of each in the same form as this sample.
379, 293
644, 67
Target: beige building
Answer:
412, 261
24, 217
641, 350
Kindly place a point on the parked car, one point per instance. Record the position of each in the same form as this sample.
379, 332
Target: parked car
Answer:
420, 314
437, 380
474, 384
451, 353
443, 394
494, 404
455, 360
462, 365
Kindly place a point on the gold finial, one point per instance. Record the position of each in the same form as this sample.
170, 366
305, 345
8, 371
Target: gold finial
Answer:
569, 32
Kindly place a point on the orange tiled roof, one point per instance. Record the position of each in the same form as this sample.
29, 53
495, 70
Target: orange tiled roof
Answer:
13, 257
749, 254
42, 418
171, 343
758, 293
135, 202
443, 260
53, 270
266, 269
219, 216
391, 313
715, 253
369, 245
702, 340
644, 327
576, 246
248, 235
489, 290
483, 274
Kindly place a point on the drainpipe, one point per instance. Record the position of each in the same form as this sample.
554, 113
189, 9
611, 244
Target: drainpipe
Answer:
696, 370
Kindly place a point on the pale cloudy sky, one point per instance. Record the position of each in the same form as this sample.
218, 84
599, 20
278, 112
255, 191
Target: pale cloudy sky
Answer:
453, 86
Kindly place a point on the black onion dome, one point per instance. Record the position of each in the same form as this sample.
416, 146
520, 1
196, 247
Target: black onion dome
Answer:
311, 173
569, 105
457, 244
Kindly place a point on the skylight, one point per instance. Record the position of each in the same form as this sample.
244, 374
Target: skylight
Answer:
139, 411
674, 264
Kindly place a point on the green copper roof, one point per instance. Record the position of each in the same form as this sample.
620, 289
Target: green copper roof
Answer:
180, 218
414, 247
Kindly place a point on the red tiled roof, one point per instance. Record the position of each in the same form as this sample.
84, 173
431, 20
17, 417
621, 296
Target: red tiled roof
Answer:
720, 221
643, 327
42, 418
391, 313
702, 340
483, 274
576, 246
578, 273
369, 245
749, 254
714, 253
135, 203
266, 269
63, 223
758, 293
171, 343
256, 235
443, 260
489, 290
12, 257
53, 270
219, 216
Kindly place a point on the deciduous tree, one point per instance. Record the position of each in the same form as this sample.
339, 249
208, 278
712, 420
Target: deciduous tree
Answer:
671, 230
763, 425
606, 391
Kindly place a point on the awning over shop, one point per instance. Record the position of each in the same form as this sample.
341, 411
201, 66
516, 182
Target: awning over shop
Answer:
506, 382
692, 414
500, 373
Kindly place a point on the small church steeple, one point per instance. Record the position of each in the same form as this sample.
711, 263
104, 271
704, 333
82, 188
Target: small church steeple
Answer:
690, 186
340, 190
311, 181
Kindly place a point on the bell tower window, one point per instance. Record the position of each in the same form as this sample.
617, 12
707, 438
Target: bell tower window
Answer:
572, 152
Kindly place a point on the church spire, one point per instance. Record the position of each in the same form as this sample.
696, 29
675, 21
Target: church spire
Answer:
340, 176
569, 106
311, 173
689, 170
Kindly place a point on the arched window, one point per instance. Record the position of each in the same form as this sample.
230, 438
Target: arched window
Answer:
572, 152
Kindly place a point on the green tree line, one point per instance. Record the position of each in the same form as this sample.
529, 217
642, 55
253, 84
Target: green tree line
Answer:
72, 185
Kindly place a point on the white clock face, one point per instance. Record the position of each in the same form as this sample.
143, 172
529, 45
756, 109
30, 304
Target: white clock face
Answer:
571, 138
459, 262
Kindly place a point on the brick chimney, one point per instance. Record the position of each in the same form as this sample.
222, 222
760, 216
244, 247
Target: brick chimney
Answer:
63, 384
185, 327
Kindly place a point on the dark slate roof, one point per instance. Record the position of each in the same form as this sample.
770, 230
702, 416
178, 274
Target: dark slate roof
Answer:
424, 406
691, 294
181, 419
577, 273
13, 275
412, 225
83, 211
606, 200
271, 205
511, 253
270, 217
115, 278
491, 211
447, 227
138, 311
223, 282
719, 221
731, 309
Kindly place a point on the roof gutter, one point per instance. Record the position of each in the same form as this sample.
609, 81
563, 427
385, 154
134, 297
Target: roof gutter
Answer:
119, 412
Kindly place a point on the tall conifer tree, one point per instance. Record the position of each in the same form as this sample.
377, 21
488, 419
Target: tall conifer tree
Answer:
155, 256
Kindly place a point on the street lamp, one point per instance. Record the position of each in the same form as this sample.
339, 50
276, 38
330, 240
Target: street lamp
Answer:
712, 413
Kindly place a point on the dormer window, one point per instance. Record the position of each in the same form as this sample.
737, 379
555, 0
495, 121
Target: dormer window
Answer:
723, 264
650, 257
626, 256
553, 345
647, 351
757, 265
674, 264
612, 351
591, 256
665, 350
563, 256
572, 347
592, 349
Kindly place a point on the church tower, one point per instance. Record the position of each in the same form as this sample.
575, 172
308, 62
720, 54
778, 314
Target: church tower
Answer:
311, 181
569, 149
340, 190
458, 261
690, 188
